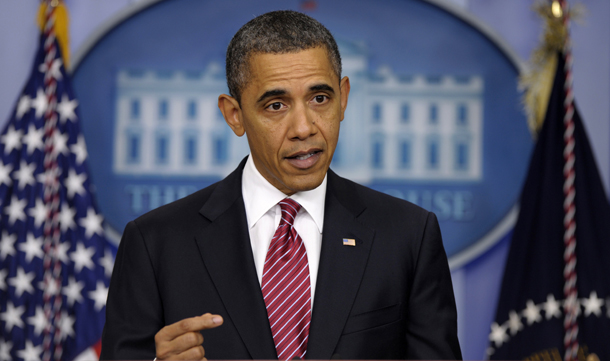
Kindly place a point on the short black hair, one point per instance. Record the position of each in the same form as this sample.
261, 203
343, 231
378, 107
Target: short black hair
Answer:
276, 32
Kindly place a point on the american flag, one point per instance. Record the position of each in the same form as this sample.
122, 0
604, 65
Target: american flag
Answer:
55, 262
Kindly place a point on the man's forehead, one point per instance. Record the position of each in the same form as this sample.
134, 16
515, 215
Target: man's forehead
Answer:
264, 58
267, 68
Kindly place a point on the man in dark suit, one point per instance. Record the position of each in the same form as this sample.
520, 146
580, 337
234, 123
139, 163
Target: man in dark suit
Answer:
372, 279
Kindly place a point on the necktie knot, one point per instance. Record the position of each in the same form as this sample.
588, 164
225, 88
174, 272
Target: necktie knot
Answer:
290, 208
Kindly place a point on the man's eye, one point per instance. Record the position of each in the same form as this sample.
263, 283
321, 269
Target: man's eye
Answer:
275, 106
320, 98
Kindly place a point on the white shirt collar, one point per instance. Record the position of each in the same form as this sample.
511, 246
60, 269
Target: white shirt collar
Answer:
260, 196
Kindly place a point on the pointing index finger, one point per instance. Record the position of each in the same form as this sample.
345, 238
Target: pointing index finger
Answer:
192, 324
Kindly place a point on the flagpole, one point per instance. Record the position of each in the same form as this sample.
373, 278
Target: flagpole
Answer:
570, 291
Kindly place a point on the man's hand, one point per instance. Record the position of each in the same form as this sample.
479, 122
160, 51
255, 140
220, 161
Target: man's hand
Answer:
182, 340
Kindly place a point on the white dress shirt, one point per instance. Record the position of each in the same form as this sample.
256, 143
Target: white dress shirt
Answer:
264, 214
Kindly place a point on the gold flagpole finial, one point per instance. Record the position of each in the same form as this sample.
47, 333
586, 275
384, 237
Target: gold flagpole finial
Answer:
556, 9
60, 25
538, 80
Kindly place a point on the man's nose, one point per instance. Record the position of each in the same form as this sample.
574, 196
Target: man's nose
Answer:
303, 122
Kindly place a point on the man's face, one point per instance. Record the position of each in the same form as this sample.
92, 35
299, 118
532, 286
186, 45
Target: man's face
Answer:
290, 110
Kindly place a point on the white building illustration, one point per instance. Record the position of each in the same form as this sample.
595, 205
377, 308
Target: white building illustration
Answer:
168, 123
397, 127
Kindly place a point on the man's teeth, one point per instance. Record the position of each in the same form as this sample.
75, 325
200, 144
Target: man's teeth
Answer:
303, 157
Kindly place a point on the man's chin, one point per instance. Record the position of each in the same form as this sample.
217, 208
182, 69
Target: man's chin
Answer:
303, 183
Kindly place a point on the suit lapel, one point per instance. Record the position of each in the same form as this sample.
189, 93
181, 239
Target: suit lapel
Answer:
225, 248
341, 267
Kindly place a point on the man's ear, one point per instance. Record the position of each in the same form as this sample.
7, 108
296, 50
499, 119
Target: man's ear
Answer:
345, 87
231, 111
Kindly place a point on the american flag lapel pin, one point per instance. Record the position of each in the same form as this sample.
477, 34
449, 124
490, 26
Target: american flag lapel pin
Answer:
349, 242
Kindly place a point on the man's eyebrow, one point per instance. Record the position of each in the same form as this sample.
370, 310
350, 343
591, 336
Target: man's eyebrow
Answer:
320, 87
271, 93
277, 92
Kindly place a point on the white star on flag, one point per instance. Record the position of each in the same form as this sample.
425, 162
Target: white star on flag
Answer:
11, 140
51, 288
25, 174
22, 282
108, 263
38, 212
73, 291
61, 252
66, 325
66, 109
66, 218
23, 106
55, 70
5, 174
60, 143
38, 321
92, 223
99, 295
16, 210
32, 247
552, 308
12, 316
74, 183
498, 334
3, 274
82, 257
80, 150
5, 349
514, 323
30, 352
47, 176
532, 312
33, 139
593, 305
40, 103
571, 302
7, 245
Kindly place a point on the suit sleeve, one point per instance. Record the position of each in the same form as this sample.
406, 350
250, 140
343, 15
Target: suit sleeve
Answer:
432, 316
133, 310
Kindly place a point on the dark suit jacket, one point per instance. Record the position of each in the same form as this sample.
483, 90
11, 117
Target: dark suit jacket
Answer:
389, 297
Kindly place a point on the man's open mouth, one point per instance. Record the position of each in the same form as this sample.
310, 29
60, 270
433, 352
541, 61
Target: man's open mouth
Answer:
303, 156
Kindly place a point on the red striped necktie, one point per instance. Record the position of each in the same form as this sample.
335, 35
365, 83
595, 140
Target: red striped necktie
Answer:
286, 287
